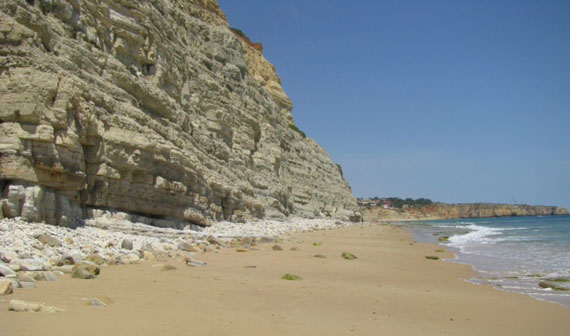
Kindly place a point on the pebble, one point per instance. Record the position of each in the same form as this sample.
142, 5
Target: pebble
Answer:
130, 258
185, 246
96, 259
26, 277
196, 263
66, 269
65, 260
32, 265
45, 276
100, 301
147, 255
85, 271
7, 271
127, 244
8, 256
15, 267
6, 287
49, 240
26, 284
96, 303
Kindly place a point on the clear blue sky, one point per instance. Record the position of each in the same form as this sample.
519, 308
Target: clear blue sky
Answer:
457, 101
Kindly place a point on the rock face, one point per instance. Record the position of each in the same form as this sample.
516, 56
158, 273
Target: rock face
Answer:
464, 210
153, 110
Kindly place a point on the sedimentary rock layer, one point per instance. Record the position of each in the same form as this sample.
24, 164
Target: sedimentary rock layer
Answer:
152, 109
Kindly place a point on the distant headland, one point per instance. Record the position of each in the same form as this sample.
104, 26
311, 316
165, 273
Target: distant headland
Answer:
394, 208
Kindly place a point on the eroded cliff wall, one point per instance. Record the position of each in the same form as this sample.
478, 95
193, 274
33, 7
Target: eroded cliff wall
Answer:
149, 108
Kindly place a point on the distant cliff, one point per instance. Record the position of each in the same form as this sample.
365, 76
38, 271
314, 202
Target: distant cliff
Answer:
463, 210
152, 110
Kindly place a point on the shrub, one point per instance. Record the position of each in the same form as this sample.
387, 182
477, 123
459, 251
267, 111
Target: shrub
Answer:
339, 169
289, 276
296, 129
348, 256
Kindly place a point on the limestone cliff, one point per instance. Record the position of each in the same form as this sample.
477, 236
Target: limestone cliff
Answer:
152, 109
464, 210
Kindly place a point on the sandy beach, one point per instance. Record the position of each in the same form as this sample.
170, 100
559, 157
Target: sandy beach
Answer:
391, 289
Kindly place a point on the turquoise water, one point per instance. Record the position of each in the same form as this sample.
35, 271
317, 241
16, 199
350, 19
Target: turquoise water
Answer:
514, 254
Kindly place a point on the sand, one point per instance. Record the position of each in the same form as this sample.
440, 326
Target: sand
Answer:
391, 289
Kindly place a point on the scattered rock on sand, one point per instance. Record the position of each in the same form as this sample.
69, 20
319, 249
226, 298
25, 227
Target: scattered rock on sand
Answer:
100, 301
196, 263
168, 268
31, 307
277, 248
127, 244
49, 240
289, 276
26, 284
320, 256
294, 248
85, 271
553, 286
6, 287
348, 256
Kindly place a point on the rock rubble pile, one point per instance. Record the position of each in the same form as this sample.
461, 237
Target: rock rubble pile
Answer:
31, 252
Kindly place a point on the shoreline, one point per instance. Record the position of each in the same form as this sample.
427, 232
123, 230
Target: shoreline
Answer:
493, 248
390, 288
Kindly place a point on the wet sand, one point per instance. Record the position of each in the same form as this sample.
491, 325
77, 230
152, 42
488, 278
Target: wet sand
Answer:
391, 289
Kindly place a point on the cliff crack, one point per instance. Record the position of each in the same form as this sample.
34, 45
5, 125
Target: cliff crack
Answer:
54, 96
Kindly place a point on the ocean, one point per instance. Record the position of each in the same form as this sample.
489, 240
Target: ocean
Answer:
514, 254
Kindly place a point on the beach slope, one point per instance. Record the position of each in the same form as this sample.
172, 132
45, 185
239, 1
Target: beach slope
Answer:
390, 289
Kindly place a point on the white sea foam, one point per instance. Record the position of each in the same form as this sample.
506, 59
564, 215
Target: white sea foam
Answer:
478, 235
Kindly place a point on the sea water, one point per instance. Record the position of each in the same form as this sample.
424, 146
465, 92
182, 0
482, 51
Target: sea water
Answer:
513, 254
